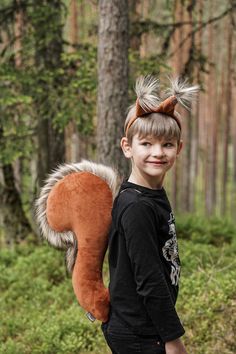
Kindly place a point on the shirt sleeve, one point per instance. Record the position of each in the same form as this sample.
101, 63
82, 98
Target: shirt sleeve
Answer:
138, 222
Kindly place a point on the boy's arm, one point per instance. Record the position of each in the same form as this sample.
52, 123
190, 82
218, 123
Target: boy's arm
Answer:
138, 222
175, 347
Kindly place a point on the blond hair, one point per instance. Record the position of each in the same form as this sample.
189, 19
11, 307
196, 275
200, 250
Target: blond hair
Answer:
153, 124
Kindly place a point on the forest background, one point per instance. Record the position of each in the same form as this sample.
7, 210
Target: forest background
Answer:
67, 74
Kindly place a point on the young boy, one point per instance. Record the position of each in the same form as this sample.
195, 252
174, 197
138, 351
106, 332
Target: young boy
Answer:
143, 255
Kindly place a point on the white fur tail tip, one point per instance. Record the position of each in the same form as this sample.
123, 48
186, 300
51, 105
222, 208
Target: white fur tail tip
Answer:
147, 88
184, 93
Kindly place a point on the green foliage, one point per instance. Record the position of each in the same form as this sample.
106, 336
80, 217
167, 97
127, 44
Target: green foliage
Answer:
49, 84
16, 121
215, 230
78, 91
39, 312
206, 302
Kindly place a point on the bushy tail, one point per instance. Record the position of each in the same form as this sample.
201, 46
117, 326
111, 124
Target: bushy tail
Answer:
67, 240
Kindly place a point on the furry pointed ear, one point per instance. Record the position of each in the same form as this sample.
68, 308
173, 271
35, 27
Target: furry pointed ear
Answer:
184, 93
146, 89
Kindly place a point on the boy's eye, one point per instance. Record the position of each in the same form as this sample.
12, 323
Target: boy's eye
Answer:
145, 143
168, 144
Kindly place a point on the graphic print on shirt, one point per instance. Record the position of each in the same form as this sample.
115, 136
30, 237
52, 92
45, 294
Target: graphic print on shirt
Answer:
170, 251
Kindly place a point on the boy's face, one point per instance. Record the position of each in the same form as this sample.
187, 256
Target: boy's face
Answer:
151, 158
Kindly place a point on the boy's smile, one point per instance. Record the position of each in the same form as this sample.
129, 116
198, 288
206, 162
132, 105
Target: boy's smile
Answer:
151, 158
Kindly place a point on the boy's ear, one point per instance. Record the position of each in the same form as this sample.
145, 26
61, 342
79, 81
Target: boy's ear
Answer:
180, 147
126, 148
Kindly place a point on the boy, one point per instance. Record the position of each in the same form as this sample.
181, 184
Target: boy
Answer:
143, 254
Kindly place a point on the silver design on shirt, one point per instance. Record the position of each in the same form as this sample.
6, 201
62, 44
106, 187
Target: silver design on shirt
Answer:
170, 251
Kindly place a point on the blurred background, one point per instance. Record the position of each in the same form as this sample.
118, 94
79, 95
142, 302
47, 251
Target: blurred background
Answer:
67, 73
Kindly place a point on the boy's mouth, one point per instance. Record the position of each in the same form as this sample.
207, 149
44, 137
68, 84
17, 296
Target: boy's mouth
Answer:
157, 162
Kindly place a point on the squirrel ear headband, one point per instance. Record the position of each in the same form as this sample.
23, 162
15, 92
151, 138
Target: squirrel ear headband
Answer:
148, 100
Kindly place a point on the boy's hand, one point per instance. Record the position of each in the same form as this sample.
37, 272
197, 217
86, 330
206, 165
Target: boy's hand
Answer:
175, 347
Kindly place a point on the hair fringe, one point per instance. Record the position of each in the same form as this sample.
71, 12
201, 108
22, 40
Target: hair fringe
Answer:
184, 93
146, 89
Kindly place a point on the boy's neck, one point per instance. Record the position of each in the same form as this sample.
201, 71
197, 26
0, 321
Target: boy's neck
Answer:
146, 182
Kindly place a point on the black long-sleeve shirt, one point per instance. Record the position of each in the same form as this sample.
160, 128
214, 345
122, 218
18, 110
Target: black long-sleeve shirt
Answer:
144, 264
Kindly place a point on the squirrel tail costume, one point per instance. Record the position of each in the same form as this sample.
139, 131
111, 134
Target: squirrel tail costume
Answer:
73, 210
74, 214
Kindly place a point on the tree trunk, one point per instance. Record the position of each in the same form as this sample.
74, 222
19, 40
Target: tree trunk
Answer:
187, 177
221, 109
51, 148
112, 80
181, 175
13, 222
176, 64
210, 118
145, 36
233, 130
228, 112
134, 15
73, 27
75, 142
18, 28
196, 117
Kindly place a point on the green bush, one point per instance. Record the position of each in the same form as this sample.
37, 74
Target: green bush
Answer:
39, 312
215, 231
207, 298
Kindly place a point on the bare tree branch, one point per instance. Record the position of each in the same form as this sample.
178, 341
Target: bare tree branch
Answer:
145, 26
202, 25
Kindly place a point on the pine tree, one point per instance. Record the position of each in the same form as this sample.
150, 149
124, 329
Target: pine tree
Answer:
112, 80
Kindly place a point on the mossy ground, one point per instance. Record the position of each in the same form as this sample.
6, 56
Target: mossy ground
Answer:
39, 312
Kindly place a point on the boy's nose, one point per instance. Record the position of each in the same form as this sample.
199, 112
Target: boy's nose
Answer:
157, 151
